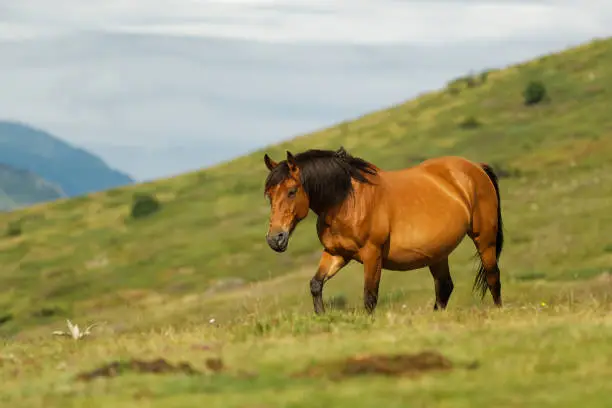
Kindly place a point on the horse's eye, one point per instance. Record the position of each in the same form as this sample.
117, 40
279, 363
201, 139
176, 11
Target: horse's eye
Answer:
291, 193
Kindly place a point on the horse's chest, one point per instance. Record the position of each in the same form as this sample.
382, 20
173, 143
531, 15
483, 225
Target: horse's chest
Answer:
338, 242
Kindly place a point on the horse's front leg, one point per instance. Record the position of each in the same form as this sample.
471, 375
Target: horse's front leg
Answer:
372, 268
329, 265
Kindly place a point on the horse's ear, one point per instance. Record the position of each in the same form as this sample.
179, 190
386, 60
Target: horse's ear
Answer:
270, 164
293, 168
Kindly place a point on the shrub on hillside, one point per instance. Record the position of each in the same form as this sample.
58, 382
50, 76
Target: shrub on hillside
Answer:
471, 80
457, 85
534, 93
469, 122
144, 205
5, 318
13, 229
484, 75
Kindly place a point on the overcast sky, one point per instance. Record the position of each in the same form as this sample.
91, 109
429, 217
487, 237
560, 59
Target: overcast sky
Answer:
162, 87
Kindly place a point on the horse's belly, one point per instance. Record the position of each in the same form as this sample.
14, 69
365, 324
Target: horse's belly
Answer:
405, 261
417, 246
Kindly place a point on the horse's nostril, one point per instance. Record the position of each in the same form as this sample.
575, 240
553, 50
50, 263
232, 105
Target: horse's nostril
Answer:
278, 241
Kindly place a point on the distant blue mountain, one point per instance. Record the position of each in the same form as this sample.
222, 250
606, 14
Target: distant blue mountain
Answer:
20, 188
72, 170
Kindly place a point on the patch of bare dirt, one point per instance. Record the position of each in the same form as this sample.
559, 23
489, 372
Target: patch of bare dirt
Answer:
398, 365
214, 364
116, 368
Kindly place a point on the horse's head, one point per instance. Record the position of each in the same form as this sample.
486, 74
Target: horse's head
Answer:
289, 203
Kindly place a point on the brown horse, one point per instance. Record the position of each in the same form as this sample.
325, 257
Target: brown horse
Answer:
397, 220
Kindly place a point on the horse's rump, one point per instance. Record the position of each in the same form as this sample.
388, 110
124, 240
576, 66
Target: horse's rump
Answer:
432, 206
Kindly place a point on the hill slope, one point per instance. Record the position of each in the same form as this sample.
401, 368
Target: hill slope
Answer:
22, 188
86, 255
75, 170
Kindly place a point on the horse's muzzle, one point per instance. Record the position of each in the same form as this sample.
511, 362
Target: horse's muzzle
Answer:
279, 241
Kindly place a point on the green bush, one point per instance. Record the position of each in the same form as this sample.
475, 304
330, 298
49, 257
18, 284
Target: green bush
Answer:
469, 122
471, 80
14, 229
457, 85
5, 318
534, 93
144, 205
484, 75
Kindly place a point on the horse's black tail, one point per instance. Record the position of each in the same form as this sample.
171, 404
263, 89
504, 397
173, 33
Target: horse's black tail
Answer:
481, 279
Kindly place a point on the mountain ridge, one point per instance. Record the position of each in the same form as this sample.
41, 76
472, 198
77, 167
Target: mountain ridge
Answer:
73, 169
20, 188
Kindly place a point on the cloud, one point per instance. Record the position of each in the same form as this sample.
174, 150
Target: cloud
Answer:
190, 83
368, 22
340, 21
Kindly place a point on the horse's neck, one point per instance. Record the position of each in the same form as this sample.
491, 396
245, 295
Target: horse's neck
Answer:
351, 212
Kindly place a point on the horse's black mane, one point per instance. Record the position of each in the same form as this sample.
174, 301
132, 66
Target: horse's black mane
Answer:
325, 175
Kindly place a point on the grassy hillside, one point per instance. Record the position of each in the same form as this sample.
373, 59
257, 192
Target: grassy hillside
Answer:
158, 280
75, 170
19, 188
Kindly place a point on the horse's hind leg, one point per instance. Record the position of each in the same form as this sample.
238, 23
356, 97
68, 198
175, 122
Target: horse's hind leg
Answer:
443, 283
488, 235
488, 275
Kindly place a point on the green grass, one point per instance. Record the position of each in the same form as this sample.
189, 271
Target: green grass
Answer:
157, 280
548, 347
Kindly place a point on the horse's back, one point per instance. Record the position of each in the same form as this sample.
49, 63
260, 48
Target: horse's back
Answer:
437, 164
455, 170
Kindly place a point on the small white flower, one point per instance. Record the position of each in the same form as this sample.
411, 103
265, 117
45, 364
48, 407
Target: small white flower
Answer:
74, 331
212, 321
